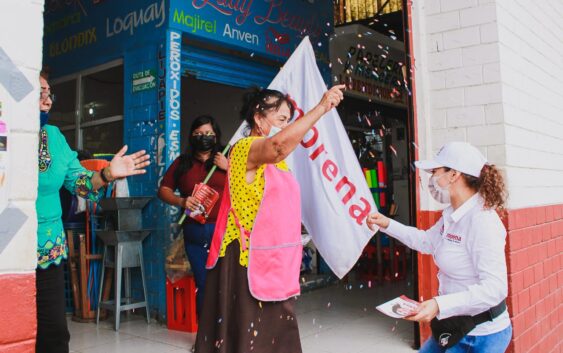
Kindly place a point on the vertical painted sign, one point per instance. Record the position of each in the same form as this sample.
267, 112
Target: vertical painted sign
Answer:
173, 85
172, 74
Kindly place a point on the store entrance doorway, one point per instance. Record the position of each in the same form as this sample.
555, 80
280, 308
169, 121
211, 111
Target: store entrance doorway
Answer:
222, 102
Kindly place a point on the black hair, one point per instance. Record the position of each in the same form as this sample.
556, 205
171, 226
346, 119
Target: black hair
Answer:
260, 101
187, 158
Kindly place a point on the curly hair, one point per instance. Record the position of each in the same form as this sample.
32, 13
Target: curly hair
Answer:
261, 101
491, 186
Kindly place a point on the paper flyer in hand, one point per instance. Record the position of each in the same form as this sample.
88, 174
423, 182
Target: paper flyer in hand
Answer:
207, 198
399, 307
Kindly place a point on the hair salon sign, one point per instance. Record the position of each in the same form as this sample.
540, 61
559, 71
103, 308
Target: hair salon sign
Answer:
267, 27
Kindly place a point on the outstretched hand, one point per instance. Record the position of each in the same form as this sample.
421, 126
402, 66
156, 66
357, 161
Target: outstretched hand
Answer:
332, 98
377, 219
122, 166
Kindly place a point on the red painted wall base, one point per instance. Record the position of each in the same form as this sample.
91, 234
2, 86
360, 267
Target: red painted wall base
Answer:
534, 254
17, 309
535, 278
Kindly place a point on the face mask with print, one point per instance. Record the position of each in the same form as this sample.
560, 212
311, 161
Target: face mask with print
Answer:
440, 194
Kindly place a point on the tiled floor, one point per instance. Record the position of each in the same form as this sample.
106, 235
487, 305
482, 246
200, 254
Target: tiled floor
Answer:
337, 319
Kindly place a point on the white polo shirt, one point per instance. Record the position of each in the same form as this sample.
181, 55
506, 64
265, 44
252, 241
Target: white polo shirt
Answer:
468, 247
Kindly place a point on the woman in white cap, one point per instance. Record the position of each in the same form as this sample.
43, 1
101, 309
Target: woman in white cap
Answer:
467, 243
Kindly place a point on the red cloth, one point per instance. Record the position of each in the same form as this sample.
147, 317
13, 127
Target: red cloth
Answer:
186, 183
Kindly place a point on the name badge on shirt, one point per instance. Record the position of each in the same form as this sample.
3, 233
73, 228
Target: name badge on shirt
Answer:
453, 238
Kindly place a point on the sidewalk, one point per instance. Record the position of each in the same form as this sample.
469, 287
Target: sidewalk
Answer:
331, 320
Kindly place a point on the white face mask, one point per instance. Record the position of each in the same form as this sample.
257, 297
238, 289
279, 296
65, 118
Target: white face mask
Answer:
440, 194
274, 130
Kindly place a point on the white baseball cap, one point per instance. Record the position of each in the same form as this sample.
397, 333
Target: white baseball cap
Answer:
457, 155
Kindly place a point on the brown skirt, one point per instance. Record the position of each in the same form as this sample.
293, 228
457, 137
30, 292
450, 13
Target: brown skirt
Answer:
233, 321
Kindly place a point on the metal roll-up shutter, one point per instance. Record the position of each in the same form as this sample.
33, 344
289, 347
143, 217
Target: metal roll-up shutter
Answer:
225, 69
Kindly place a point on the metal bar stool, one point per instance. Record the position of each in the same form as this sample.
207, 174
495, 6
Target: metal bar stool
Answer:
123, 250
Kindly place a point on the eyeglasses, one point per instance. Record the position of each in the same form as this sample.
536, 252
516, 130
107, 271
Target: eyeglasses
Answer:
45, 95
208, 133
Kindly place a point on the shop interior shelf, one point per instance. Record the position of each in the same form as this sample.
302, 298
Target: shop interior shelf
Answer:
118, 203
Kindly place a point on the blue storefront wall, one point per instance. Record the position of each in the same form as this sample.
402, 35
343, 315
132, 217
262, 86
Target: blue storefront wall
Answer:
146, 36
82, 35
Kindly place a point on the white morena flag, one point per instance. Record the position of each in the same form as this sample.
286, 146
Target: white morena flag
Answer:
335, 197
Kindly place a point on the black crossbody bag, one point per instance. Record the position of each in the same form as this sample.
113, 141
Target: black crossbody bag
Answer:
448, 332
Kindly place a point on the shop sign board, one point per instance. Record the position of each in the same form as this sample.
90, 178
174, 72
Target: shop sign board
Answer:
144, 80
265, 27
81, 34
370, 64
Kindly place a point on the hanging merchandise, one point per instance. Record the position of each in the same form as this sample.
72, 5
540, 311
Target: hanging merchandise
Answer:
375, 183
368, 177
382, 173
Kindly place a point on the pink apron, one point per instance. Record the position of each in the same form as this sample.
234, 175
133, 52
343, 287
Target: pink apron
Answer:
274, 258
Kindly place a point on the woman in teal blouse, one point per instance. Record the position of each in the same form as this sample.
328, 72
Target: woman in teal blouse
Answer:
58, 167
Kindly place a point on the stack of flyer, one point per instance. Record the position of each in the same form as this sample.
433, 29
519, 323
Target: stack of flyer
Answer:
399, 307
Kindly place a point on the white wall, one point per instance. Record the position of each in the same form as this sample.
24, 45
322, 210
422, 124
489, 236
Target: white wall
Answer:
530, 37
489, 72
22, 42
457, 79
